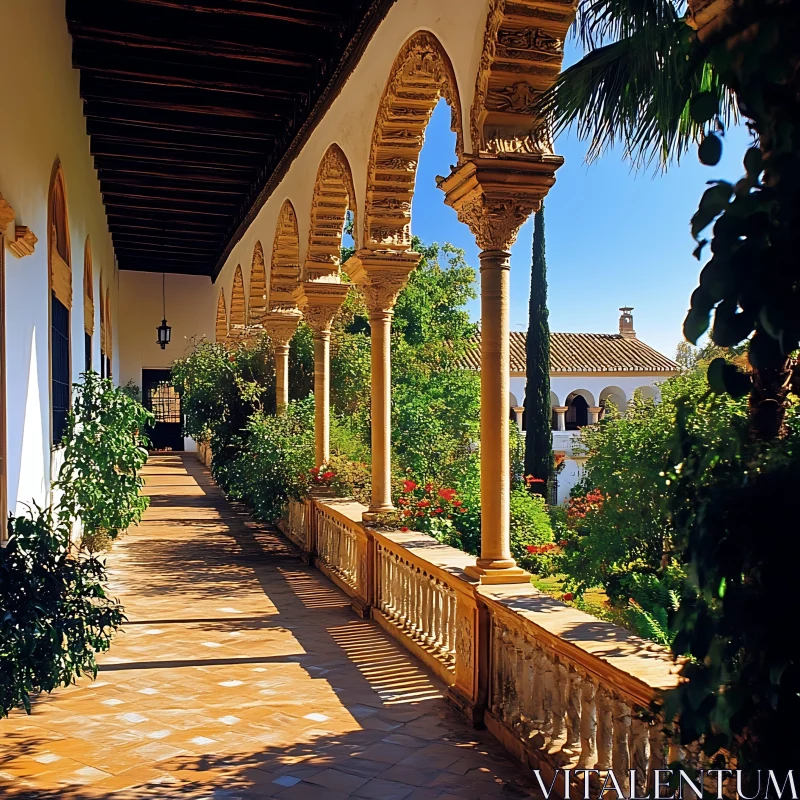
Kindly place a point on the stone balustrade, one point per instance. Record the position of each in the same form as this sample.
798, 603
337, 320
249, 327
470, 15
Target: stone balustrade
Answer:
558, 688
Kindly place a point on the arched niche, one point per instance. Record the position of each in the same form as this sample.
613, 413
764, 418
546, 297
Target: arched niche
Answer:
221, 325
648, 392
578, 403
284, 268
258, 288
421, 74
59, 251
238, 313
333, 196
612, 398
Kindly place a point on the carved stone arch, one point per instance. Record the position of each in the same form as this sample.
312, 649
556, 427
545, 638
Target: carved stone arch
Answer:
88, 289
284, 269
258, 288
221, 325
238, 314
421, 74
523, 49
333, 196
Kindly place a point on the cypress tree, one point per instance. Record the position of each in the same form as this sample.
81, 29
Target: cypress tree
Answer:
538, 433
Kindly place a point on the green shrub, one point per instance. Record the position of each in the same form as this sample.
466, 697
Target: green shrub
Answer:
54, 611
530, 527
104, 450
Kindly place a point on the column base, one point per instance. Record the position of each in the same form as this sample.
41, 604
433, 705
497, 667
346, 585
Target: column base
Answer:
371, 514
498, 574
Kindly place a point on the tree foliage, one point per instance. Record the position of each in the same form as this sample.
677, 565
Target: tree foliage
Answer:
538, 433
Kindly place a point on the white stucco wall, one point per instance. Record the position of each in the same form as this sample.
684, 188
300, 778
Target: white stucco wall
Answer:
593, 387
42, 120
459, 25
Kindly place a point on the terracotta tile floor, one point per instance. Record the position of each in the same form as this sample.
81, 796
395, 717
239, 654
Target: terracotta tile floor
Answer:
242, 673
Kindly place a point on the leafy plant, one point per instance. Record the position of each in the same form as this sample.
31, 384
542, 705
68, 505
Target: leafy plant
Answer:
54, 610
104, 450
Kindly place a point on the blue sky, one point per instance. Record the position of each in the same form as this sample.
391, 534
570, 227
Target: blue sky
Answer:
614, 236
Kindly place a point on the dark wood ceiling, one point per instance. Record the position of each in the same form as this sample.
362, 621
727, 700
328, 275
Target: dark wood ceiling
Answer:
196, 107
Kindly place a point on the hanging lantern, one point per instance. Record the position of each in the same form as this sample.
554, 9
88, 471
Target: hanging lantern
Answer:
164, 330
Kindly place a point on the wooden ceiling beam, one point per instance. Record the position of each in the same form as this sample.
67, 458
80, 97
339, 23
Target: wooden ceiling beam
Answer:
159, 221
168, 209
227, 193
183, 120
167, 235
180, 203
149, 154
191, 100
198, 269
298, 13
198, 140
204, 173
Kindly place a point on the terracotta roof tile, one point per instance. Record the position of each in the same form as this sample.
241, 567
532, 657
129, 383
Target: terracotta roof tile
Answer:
586, 352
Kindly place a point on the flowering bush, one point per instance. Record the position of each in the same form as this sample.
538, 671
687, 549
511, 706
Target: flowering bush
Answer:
430, 509
321, 477
581, 506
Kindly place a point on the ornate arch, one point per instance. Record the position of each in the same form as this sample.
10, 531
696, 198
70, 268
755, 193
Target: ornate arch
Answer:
88, 289
258, 288
221, 325
421, 74
333, 196
60, 262
238, 313
523, 49
284, 270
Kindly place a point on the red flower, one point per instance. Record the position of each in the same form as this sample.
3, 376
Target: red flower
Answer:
404, 529
420, 514
428, 487
328, 476
567, 597
436, 511
314, 470
423, 503
403, 501
406, 512
529, 479
456, 502
563, 543
409, 486
447, 494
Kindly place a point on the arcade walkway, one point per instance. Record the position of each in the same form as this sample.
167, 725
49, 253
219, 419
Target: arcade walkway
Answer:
242, 673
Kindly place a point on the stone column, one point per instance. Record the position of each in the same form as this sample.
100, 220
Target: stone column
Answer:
280, 326
381, 276
594, 414
319, 302
561, 419
518, 412
494, 197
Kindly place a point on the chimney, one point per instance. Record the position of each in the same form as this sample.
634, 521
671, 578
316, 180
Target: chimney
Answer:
626, 323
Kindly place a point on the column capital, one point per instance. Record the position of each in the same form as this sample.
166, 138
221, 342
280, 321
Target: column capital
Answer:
560, 409
319, 302
381, 275
494, 196
281, 325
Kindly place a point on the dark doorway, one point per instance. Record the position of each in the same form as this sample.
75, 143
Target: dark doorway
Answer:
159, 396
577, 413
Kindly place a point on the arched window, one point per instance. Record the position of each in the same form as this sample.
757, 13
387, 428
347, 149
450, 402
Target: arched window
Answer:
60, 283
88, 303
577, 411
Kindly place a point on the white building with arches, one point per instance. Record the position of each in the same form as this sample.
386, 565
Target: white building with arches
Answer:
589, 372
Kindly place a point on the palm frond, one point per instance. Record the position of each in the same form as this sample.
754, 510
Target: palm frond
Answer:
635, 92
600, 22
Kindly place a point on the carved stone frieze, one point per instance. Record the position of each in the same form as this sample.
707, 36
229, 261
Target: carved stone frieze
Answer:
495, 196
381, 276
334, 195
420, 75
280, 326
23, 243
221, 325
258, 288
284, 270
522, 54
238, 311
320, 302
705, 16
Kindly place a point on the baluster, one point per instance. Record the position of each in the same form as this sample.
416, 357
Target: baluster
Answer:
429, 593
605, 740
536, 684
451, 626
658, 747
572, 744
515, 659
561, 678
525, 679
588, 725
417, 629
497, 669
620, 758
548, 692
640, 753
